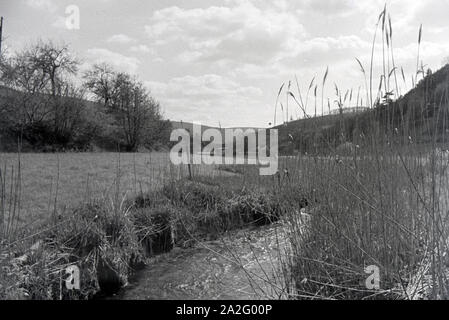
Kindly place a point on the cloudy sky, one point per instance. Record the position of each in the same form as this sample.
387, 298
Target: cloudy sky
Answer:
224, 61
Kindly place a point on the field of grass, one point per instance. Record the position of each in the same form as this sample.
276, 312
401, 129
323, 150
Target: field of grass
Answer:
68, 179
76, 178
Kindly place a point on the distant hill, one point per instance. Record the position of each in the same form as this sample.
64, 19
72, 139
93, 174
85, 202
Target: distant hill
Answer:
219, 145
189, 126
301, 135
420, 115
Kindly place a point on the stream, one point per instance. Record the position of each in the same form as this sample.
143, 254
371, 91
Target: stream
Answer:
241, 265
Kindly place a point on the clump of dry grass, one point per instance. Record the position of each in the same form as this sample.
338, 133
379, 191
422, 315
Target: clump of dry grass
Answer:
196, 196
104, 246
252, 208
154, 222
206, 209
100, 239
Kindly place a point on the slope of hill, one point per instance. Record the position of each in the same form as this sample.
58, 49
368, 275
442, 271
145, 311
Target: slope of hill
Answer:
421, 116
305, 135
42, 123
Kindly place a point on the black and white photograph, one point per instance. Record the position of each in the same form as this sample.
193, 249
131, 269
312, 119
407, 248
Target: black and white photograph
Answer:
235, 152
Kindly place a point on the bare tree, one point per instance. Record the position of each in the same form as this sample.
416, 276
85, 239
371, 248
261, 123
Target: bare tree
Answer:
100, 81
134, 110
39, 100
55, 61
21, 74
36, 71
71, 109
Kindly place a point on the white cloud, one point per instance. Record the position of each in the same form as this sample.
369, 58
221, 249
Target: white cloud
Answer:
117, 60
322, 51
207, 85
60, 22
47, 5
241, 33
341, 8
141, 48
120, 38
206, 98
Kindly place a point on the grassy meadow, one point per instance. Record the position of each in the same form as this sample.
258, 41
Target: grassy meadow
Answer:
68, 179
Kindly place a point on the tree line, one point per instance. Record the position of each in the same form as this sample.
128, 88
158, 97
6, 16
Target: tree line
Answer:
46, 103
